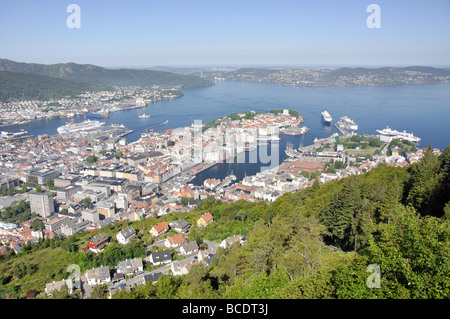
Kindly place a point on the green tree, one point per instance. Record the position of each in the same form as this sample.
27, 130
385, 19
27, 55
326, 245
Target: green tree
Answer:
99, 292
184, 201
423, 183
49, 182
91, 159
167, 287
37, 224
87, 201
413, 255
340, 215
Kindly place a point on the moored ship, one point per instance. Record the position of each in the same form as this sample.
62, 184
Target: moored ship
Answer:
294, 130
346, 126
76, 127
326, 117
388, 134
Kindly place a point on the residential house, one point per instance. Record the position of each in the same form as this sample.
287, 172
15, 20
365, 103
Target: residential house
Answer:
182, 267
153, 277
98, 276
205, 220
181, 226
97, 243
174, 241
56, 286
161, 257
159, 229
118, 277
126, 235
189, 248
230, 241
202, 255
129, 267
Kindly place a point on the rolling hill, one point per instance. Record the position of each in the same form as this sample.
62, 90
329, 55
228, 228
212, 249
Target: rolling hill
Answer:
88, 73
21, 86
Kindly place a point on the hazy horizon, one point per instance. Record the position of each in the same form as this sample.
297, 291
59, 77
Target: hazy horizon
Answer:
237, 66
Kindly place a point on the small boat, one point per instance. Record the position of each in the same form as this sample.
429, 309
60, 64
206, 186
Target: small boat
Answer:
144, 116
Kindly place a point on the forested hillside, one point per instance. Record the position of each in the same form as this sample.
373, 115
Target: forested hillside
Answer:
88, 73
319, 242
20, 86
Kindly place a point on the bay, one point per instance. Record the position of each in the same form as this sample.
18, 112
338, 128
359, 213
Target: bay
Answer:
421, 109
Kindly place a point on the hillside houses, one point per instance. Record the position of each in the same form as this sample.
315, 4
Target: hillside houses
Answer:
159, 229
56, 286
126, 235
130, 267
181, 226
98, 276
230, 241
174, 241
160, 257
189, 248
98, 243
182, 267
205, 220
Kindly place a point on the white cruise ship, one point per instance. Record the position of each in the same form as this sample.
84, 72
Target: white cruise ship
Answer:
326, 116
76, 127
347, 124
388, 134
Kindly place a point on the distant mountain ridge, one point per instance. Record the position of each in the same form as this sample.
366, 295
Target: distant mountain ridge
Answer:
92, 74
344, 76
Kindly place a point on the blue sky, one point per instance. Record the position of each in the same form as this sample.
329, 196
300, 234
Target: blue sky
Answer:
227, 32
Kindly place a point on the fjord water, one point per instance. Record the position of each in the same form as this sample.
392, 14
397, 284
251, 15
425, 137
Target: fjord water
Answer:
423, 109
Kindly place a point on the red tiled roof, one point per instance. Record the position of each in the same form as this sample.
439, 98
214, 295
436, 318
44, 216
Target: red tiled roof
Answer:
207, 217
161, 226
176, 240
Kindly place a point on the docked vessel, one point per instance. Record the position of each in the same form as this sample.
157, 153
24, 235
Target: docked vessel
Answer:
144, 116
16, 134
99, 115
294, 130
346, 126
326, 117
388, 134
76, 127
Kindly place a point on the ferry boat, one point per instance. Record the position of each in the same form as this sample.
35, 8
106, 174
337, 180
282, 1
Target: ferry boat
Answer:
144, 116
76, 127
326, 117
388, 134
